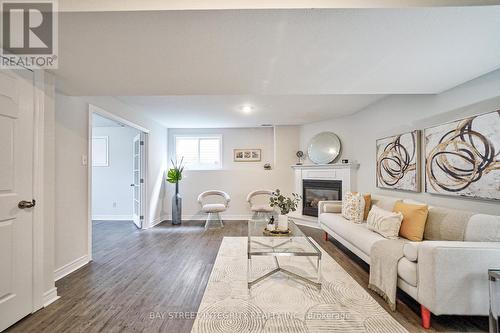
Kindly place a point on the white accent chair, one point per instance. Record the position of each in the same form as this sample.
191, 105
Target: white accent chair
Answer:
260, 210
214, 209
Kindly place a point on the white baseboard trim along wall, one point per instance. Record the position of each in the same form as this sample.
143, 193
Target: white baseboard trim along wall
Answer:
112, 217
200, 217
50, 296
70, 267
203, 217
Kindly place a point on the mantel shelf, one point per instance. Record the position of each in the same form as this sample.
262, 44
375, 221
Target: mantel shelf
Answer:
327, 166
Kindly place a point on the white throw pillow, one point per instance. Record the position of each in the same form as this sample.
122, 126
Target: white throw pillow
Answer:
332, 208
353, 207
384, 222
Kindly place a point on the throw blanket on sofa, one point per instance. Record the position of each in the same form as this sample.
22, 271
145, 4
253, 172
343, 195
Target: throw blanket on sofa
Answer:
384, 258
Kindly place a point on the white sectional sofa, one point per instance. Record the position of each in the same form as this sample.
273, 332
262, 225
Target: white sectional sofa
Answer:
447, 273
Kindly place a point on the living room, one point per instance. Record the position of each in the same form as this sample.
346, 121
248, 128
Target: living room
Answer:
301, 167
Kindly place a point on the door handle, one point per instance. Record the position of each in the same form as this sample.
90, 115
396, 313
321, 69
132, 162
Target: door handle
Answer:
132, 184
26, 204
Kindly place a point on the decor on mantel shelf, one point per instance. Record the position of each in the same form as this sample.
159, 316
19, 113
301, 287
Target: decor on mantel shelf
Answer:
300, 156
174, 176
285, 205
324, 148
350, 165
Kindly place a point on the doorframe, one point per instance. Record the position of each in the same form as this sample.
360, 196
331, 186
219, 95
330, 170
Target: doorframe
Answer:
39, 95
93, 109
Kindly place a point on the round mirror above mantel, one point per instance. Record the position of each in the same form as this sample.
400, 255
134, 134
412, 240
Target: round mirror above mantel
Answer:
324, 148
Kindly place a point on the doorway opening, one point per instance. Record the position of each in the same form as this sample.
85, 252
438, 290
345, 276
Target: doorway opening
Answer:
117, 169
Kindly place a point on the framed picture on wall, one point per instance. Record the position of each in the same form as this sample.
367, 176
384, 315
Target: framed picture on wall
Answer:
462, 157
247, 155
398, 162
100, 151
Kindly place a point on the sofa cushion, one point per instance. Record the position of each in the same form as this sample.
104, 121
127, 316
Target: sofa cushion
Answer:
213, 208
414, 218
446, 224
386, 203
407, 271
483, 228
384, 222
353, 207
355, 233
262, 208
332, 208
410, 251
368, 205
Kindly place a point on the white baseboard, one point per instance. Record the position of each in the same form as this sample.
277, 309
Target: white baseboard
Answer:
113, 217
203, 217
70, 267
158, 220
50, 296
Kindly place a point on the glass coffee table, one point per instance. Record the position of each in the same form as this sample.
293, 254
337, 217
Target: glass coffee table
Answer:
295, 244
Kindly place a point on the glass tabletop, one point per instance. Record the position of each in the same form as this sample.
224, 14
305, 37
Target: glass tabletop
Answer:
294, 244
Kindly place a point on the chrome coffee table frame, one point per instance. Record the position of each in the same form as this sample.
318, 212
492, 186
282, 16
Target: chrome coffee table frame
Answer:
275, 253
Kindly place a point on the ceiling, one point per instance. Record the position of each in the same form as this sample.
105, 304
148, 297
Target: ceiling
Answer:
225, 111
299, 64
140, 5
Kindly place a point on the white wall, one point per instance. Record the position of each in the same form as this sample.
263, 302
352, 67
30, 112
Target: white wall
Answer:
239, 178
71, 135
112, 195
395, 114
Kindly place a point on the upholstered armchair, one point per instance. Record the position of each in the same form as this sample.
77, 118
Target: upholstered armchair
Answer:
260, 210
214, 209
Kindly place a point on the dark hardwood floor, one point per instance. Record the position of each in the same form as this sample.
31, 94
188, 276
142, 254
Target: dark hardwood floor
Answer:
165, 269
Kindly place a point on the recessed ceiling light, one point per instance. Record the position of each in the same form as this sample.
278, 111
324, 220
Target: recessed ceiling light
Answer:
246, 108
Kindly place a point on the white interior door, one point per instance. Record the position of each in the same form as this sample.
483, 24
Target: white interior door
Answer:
16, 185
138, 179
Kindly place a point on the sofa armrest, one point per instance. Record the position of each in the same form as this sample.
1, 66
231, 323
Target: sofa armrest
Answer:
323, 204
453, 276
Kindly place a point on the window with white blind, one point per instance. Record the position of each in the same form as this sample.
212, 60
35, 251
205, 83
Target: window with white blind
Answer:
199, 152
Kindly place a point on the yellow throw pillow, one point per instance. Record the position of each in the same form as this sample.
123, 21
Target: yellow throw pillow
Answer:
414, 218
368, 204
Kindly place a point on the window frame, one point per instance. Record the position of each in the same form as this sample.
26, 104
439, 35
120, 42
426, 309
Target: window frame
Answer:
199, 137
104, 143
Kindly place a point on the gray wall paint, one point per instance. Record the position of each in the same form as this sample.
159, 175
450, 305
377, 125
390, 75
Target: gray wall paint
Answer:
395, 114
112, 195
71, 194
238, 179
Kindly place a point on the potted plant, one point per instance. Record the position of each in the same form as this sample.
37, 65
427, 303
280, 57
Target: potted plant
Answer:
285, 206
174, 176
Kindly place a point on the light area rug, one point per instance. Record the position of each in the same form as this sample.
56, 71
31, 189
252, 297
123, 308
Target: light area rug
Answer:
282, 304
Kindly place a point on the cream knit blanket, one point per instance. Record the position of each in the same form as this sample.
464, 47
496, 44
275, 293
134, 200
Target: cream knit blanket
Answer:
384, 258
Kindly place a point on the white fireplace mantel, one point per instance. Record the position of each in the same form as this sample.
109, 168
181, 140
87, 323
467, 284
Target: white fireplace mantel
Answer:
326, 166
345, 172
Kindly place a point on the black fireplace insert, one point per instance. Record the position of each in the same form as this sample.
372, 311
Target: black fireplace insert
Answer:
314, 191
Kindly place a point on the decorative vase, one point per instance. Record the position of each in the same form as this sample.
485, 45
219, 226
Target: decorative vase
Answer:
176, 206
283, 222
